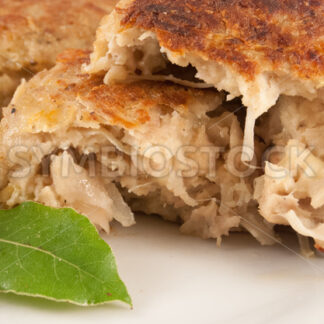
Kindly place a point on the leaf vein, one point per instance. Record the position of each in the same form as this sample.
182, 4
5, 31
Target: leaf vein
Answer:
50, 254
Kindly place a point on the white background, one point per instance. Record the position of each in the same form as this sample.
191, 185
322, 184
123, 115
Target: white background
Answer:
173, 278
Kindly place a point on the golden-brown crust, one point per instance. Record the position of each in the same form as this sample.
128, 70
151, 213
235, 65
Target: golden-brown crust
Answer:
126, 104
73, 57
249, 35
33, 32
64, 87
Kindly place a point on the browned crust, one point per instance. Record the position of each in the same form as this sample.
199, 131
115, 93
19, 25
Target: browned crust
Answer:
247, 34
73, 57
33, 32
126, 104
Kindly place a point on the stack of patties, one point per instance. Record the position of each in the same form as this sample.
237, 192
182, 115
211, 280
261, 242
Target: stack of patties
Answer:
33, 32
260, 51
68, 139
150, 122
256, 50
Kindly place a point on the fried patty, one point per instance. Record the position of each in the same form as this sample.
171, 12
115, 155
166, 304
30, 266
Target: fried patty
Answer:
33, 32
251, 36
68, 139
254, 49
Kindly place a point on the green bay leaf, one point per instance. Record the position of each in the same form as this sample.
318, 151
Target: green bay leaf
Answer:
56, 254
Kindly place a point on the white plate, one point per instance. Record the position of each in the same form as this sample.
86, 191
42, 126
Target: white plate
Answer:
178, 279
